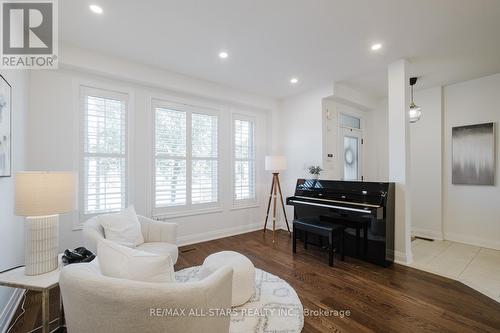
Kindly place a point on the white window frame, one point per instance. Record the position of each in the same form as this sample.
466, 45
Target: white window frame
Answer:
189, 208
252, 202
83, 91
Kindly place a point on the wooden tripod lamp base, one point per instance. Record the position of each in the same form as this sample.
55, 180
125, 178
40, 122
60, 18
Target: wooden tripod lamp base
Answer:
274, 163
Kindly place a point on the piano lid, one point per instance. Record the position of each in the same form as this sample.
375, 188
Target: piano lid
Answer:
371, 193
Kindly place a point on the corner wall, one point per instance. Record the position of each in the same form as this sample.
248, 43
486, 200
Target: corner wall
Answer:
471, 213
53, 134
11, 226
426, 166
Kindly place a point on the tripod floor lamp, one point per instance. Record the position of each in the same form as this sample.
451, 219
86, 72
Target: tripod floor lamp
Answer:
275, 164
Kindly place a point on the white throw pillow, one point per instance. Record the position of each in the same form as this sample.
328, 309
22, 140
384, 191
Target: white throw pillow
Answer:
122, 262
123, 228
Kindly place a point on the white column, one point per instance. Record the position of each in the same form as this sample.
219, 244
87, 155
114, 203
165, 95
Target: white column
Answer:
399, 157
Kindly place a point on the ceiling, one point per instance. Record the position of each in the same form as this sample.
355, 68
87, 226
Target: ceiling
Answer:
318, 41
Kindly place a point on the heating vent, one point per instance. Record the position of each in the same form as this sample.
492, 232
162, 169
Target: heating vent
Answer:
191, 249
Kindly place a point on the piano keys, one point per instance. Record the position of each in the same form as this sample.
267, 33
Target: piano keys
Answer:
366, 209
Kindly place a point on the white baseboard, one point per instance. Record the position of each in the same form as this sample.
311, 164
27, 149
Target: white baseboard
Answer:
10, 309
471, 240
427, 233
216, 234
403, 258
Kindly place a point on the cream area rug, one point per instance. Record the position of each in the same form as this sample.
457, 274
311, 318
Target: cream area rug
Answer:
274, 307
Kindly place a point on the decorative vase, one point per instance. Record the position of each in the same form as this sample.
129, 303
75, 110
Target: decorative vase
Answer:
315, 176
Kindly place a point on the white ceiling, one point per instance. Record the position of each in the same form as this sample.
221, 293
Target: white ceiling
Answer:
269, 41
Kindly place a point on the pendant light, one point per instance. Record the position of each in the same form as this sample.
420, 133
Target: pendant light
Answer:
415, 111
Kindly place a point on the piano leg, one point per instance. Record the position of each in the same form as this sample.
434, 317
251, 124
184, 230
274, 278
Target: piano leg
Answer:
342, 240
305, 240
358, 243
365, 240
294, 246
330, 249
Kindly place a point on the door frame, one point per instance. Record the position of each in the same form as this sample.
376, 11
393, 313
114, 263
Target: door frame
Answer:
359, 133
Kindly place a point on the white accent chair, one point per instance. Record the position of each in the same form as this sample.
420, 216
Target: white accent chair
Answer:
97, 303
159, 237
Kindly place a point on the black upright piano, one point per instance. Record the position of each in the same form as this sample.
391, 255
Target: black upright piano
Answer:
366, 209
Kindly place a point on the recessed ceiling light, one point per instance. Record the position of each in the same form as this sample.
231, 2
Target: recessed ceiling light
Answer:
96, 9
223, 55
376, 47
294, 80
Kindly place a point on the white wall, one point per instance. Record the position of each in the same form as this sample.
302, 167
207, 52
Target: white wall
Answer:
426, 156
373, 137
53, 132
377, 145
471, 213
302, 134
440, 210
11, 226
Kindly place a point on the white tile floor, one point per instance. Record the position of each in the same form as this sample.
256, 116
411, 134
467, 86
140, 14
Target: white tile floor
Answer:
477, 267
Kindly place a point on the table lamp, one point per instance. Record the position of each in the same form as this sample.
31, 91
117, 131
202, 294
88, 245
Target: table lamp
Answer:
41, 197
275, 164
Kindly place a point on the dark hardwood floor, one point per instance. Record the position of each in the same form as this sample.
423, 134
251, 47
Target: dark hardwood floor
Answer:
395, 299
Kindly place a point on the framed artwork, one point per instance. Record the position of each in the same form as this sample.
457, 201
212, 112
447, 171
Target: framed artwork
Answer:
473, 160
5, 127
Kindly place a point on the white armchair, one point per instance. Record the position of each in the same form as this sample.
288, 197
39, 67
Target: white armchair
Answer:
96, 303
159, 237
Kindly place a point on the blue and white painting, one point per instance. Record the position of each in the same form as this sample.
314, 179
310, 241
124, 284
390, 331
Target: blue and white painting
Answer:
5, 128
473, 161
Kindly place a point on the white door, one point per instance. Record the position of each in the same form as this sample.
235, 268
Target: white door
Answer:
352, 151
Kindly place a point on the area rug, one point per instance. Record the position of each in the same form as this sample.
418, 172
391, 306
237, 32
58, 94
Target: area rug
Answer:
274, 307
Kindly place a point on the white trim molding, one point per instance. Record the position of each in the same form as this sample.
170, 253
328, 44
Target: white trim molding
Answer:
403, 258
472, 240
10, 309
216, 234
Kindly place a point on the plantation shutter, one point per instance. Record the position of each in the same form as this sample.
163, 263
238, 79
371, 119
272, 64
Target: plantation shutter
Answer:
171, 158
204, 180
244, 160
104, 151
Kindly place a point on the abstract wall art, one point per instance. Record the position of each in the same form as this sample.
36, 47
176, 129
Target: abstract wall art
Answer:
5, 127
473, 160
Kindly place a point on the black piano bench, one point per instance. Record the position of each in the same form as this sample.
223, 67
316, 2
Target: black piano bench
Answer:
320, 228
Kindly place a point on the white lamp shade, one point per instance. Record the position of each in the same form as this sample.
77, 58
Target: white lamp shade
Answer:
45, 193
275, 163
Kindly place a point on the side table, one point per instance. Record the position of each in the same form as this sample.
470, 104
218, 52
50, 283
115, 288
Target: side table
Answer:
43, 283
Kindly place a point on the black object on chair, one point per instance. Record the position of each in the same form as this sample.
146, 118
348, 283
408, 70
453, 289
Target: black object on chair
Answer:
320, 228
80, 254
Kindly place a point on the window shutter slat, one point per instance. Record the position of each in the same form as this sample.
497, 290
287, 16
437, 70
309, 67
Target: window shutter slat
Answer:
104, 160
244, 160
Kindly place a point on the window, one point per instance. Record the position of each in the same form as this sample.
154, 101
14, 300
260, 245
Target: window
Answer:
351, 138
186, 158
350, 121
244, 160
104, 157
